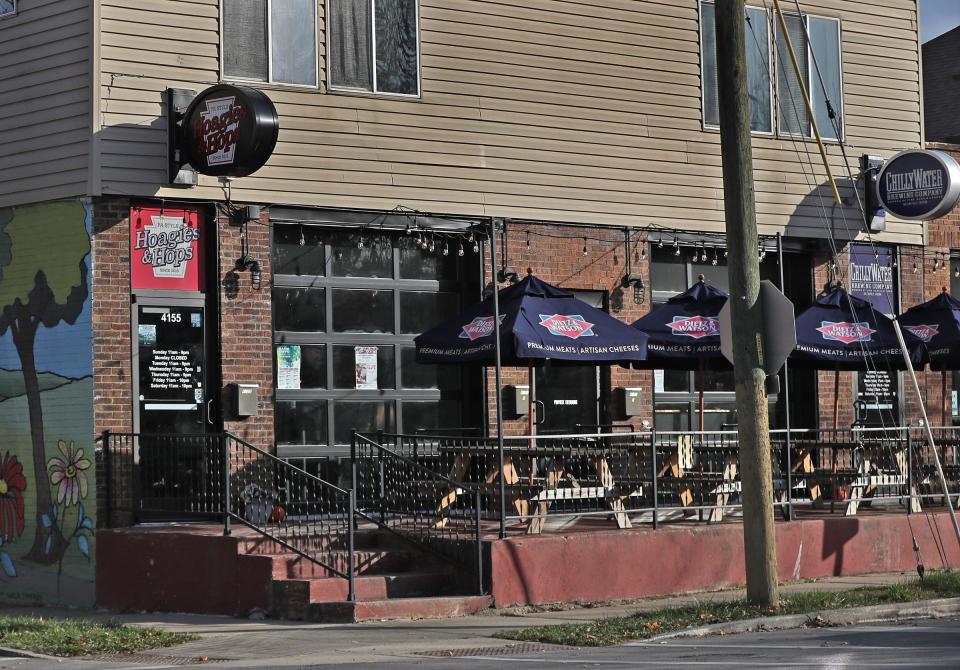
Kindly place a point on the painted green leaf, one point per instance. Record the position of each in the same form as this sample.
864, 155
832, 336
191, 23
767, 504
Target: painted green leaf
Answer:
7, 564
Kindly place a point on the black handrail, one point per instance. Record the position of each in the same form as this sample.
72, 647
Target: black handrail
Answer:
404, 495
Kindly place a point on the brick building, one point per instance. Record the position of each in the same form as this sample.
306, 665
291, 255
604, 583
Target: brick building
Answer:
589, 134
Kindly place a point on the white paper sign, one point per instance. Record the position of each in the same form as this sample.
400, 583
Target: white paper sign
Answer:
288, 366
366, 365
658, 381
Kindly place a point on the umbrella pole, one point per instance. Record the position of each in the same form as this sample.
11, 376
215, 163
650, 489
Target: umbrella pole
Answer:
836, 412
498, 372
700, 383
943, 397
532, 405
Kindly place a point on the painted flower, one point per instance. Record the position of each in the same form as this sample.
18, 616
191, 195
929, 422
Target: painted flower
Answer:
67, 474
12, 486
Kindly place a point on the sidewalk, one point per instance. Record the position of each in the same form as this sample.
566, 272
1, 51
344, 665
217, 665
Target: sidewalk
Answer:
248, 643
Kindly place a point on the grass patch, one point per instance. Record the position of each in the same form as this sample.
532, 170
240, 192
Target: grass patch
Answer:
604, 632
76, 637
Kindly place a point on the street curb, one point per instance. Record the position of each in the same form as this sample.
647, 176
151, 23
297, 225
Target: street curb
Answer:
921, 609
10, 652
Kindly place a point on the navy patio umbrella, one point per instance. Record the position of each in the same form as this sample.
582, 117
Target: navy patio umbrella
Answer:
842, 332
538, 322
685, 329
684, 333
936, 323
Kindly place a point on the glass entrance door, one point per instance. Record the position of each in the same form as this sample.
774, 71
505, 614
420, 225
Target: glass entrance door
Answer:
172, 388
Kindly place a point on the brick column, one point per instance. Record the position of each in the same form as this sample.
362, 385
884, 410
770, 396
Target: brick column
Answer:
246, 331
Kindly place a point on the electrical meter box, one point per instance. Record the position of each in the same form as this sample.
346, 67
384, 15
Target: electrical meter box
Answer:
627, 402
245, 400
516, 400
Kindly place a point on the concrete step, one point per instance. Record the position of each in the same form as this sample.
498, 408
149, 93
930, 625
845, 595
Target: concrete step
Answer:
441, 607
366, 562
362, 539
292, 598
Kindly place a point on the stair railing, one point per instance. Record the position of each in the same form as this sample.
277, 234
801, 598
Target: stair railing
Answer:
400, 494
289, 506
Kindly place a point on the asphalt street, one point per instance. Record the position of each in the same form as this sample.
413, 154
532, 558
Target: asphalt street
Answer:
916, 645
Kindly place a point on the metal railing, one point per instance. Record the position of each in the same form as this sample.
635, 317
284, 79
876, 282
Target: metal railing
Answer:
220, 476
160, 476
291, 507
656, 476
397, 489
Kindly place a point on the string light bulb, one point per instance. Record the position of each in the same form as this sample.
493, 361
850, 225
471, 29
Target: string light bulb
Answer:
956, 270
360, 242
915, 268
584, 246
528, 240
460, 250
303, 240
676, 246
714, 260
446, 249
660, 243
476, 245
433, 245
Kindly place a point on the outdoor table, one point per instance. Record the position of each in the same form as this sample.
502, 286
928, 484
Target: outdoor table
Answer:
680, 463
860, 466
597, 451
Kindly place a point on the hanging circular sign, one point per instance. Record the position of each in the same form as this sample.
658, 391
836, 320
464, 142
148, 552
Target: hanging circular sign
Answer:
919, 184
229, 131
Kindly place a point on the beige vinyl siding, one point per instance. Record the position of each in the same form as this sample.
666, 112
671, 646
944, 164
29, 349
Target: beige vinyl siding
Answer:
44, 101
580, 111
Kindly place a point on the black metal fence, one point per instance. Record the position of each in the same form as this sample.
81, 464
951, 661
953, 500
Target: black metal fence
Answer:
653, 477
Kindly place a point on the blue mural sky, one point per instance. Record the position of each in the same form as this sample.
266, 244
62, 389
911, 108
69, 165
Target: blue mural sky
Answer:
937, 17
50, 342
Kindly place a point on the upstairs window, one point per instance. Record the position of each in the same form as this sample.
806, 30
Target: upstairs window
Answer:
763, 62
374, 46
758, 68
824, 52
273, 41
8, 7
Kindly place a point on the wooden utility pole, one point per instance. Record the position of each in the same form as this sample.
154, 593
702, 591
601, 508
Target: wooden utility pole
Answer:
753, 429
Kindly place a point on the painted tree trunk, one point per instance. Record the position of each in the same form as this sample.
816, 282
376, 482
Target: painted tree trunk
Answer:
23, 338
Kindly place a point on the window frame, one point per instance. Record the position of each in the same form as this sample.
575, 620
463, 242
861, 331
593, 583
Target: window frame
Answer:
372, 92
269, 81
772, 87
773, 60
398, 395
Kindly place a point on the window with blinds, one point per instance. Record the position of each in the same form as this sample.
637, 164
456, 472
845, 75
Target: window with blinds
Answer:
271, 41
758, 67
818, 55
374, 46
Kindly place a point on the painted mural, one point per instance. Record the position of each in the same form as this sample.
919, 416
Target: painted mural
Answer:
47, 479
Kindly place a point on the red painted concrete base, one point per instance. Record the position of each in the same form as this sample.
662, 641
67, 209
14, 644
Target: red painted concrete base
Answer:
176, 570
615, 564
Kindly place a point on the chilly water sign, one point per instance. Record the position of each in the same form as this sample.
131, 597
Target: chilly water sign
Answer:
919, 184
229, 131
